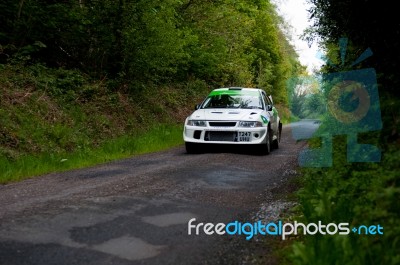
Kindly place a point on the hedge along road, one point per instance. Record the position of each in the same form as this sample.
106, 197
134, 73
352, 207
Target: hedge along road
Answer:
136, 210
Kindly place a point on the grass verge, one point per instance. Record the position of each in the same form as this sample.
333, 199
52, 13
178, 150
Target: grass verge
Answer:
157, 138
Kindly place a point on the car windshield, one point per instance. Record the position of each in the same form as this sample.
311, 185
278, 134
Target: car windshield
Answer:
233, 101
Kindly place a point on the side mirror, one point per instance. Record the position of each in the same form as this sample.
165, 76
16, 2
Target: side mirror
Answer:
269, 108
197, 107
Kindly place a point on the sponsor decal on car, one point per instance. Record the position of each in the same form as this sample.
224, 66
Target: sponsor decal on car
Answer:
264, 119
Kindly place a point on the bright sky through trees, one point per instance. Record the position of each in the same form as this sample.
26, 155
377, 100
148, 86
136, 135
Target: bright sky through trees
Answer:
295, 14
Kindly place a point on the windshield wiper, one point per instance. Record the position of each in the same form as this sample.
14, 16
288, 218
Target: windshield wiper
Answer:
250, 107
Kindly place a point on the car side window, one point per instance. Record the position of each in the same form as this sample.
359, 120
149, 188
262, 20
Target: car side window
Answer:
267, 101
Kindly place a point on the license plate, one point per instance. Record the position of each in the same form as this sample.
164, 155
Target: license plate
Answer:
244, 136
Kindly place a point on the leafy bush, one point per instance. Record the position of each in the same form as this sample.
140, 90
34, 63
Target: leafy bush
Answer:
365, 193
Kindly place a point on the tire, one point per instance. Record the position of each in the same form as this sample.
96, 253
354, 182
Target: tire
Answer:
265, 149
192, 148
275, 143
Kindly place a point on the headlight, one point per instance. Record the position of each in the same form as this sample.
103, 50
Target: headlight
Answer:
250, 124
196, 123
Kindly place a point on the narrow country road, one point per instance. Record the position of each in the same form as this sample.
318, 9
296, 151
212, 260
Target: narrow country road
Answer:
136, 211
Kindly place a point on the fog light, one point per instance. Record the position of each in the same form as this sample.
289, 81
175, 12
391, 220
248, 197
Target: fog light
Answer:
256, 135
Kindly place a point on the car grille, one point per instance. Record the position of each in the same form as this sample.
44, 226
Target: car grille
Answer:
220, 136
222, 124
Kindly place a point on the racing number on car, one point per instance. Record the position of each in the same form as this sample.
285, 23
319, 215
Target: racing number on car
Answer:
244, 136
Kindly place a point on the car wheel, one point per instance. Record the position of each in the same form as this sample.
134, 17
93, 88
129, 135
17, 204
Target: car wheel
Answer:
265, 149
192, 148
276, 142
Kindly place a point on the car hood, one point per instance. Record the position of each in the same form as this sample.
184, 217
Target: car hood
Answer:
226, 114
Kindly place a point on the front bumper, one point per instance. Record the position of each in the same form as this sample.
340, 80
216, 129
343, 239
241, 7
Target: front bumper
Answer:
224, 135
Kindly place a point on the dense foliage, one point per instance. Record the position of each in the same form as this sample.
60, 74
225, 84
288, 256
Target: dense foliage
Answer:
367, 24
223, 42
358, 193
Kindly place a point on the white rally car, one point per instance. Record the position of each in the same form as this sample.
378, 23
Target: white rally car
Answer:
234, 116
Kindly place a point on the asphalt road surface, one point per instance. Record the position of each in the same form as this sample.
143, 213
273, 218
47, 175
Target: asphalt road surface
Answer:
136, 210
